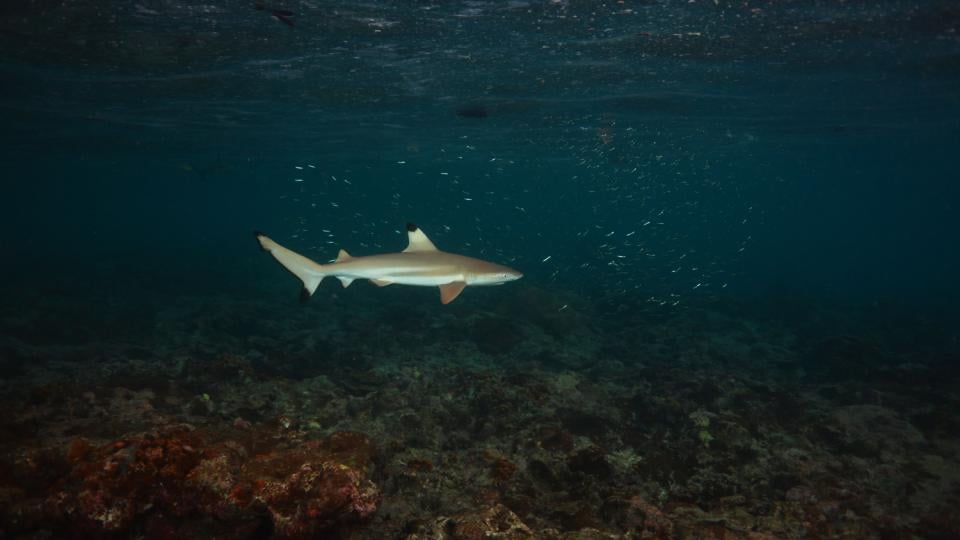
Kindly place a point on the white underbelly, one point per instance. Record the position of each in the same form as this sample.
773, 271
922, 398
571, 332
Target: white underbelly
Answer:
403, 278
423, 281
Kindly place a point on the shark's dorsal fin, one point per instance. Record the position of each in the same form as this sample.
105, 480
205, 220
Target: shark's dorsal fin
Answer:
418, 240
450, 291
343, 256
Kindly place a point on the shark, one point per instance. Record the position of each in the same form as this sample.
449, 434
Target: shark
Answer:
420, 264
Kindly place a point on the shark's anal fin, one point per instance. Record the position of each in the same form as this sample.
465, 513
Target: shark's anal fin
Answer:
346, 281
450, 291
418, 240
381, 282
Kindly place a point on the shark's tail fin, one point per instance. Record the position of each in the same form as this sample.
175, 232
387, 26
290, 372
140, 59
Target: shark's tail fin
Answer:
309, 272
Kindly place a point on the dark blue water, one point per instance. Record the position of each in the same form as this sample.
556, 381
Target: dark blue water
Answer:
789, 162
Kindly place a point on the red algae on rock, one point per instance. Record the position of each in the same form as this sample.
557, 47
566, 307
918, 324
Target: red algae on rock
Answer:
315, 485
111, 485
174, 477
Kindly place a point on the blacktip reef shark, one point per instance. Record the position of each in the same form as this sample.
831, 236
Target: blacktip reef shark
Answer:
420, 264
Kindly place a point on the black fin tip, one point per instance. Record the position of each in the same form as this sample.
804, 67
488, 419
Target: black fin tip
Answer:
257, 235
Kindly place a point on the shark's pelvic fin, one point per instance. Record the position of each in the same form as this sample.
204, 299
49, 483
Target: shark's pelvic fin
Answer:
309, 272
346, 281
381, 282
418, 240
450, 291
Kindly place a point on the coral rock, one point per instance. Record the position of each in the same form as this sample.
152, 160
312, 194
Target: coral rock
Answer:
494, 522
305, 491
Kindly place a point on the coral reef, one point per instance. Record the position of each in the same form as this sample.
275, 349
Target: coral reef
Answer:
528, 417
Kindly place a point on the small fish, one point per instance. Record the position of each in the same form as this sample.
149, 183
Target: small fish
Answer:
472, 110
282, 15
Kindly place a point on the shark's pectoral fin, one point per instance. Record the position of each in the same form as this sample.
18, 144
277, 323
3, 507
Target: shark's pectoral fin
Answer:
381, 282
346, 281
450, 291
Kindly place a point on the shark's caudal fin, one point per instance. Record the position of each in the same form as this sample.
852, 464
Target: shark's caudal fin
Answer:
309, 272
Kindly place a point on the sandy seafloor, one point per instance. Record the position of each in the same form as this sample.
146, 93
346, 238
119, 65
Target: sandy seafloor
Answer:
516, 413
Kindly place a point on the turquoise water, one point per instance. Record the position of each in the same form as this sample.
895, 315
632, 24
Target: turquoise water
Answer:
669, 175
793, 148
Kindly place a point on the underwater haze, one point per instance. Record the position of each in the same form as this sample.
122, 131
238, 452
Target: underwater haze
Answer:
736, 224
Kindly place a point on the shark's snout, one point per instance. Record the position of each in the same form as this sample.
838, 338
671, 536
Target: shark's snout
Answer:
509, 275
